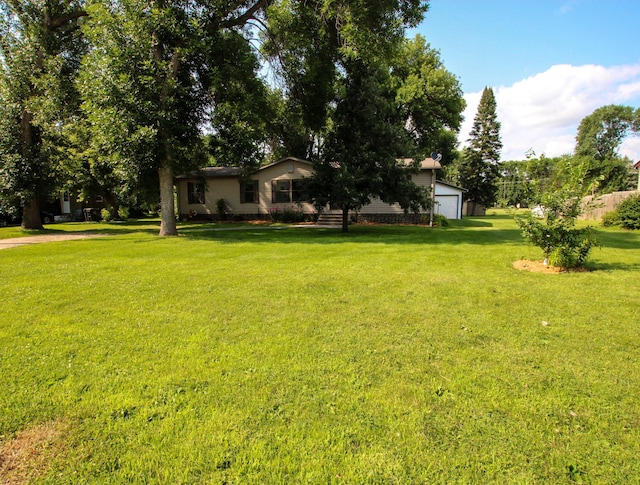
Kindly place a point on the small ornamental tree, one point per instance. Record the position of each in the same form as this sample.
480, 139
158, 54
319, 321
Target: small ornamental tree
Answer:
564, 245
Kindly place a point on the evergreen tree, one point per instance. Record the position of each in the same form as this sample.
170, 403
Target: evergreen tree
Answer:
478, 169
484, 137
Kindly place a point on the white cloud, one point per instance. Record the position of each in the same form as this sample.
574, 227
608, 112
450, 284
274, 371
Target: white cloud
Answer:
543, 111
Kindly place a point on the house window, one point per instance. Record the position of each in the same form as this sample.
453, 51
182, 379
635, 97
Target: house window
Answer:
296, 190
281, 191
196, 193
249, 192
286, 190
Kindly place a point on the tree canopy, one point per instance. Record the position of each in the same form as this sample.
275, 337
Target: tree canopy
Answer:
40, 48
362, 109
120, 102
601, 133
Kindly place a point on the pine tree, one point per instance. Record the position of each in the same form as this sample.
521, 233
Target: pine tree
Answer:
479, 163
485, 133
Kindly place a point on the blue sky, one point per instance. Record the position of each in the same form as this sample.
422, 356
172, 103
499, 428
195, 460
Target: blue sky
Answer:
550, 63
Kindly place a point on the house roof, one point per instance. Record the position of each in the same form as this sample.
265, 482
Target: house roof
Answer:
225, 172
426, 164
447, 184
430, 164
212, 172
286, 159
637, 164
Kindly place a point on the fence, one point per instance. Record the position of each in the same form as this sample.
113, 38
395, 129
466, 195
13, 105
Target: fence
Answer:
605, 203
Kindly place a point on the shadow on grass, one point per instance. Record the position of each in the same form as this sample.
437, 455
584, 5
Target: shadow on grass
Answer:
493, 229
357, 234
613, 266
619, 239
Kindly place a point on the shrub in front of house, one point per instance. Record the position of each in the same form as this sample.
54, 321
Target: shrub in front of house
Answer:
440, 220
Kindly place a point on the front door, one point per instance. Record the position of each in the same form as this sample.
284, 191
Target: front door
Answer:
66, 204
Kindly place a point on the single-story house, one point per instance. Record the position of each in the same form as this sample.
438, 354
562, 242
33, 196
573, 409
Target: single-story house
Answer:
73, 209
276, 187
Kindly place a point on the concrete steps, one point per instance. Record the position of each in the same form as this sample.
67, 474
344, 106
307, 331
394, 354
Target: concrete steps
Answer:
330, 218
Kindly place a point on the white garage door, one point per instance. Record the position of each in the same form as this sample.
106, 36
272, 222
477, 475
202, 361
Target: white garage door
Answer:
447, 205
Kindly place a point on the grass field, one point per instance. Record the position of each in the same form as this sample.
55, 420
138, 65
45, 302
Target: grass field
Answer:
386, 355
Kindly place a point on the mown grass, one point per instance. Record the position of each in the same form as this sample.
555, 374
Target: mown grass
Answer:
386, 355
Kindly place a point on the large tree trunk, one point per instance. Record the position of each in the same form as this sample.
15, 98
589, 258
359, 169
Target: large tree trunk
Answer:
167, 206
31, 215
345, 219
31, 210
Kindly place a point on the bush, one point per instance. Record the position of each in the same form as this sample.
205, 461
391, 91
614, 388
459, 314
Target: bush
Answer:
123, 213
629, 212
555, 233
220, 209
611, 219
440, 220
106, 215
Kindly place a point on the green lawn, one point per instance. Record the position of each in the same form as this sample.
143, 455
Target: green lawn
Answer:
386, 355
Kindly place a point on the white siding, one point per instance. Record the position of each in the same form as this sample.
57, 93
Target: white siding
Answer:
377, 206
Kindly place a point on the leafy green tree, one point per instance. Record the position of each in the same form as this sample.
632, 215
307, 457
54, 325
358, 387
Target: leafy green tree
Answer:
478, 170
360, 160
364, 97
40, 47
514, 184
601, 133
599, 137
158, 74
429, 98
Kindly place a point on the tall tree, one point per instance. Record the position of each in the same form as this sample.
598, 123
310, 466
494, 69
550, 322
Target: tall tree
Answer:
360, 160
40, 47
601, 133
598, 140
429, 98
364, 108
159, 73
484, 136
479, 162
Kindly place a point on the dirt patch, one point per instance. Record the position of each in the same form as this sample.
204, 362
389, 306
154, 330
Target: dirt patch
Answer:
23, 241
28, 455
539, 267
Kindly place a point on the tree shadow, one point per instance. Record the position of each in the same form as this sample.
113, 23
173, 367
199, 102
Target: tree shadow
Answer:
620, 266
366, 234
619, 239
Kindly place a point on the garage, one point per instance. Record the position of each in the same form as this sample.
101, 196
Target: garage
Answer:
448, 200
